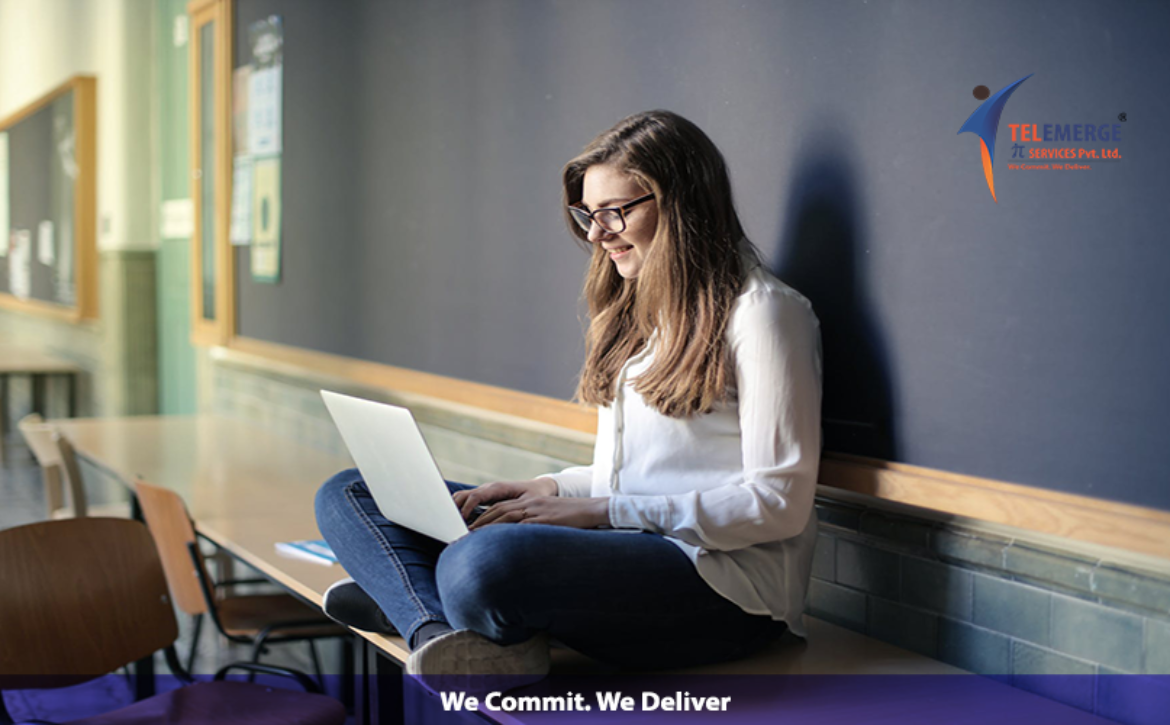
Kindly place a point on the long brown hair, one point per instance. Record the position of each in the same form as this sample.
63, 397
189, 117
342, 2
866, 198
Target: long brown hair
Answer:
690, 277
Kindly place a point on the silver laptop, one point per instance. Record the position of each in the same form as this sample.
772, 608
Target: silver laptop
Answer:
393, 458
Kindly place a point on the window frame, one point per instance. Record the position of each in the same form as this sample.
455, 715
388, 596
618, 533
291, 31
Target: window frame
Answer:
218, 329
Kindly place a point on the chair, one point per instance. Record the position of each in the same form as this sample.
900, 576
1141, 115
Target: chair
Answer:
85, 596
60, 469
39, 438
252, 619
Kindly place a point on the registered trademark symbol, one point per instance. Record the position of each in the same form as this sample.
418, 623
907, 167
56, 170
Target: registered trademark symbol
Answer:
1121, 116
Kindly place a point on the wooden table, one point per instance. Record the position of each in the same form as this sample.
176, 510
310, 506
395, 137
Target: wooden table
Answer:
39, 367
245, 487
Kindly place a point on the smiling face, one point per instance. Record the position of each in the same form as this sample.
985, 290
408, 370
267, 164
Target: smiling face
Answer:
605, 185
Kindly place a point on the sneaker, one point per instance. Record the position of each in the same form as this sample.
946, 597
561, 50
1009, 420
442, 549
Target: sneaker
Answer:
347, 603
464, 659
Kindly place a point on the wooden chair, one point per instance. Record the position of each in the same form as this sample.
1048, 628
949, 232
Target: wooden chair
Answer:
85, 596
252, 619
39, 438
61, 472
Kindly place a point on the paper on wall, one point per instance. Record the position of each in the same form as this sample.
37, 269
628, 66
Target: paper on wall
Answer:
241, 87
265, 86
241, 232
19, 263
264, 122
64, 286
46, 252
178, 219
266, 220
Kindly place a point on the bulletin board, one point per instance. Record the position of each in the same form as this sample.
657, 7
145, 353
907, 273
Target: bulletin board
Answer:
48, 204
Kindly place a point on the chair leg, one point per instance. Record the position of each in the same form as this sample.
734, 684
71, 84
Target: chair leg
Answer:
316, 663
194, 643
257, 650
225, 569
348, 672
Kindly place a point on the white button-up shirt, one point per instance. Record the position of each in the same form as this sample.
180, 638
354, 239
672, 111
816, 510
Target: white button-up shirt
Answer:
732, 488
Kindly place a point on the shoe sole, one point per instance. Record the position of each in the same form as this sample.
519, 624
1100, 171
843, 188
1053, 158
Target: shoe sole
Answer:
467, 660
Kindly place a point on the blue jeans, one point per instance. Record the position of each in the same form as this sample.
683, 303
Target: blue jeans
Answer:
631, 600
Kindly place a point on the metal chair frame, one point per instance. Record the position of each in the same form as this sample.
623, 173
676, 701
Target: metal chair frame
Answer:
264, 636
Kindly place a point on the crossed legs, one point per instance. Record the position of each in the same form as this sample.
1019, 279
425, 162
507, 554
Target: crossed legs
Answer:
632, 600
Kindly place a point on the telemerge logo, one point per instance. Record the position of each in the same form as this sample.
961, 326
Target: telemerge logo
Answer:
984, 123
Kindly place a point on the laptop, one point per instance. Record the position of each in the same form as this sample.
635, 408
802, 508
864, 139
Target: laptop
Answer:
397, 466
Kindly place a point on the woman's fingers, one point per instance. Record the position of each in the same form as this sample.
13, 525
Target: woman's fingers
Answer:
465, 501
500, 513
469, 499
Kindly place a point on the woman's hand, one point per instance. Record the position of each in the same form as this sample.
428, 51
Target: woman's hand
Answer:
468, 499
579, 513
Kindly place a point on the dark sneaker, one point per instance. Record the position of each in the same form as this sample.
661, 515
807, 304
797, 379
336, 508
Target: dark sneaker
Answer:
347, 603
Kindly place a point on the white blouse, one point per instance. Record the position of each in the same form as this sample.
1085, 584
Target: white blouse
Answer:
732, 488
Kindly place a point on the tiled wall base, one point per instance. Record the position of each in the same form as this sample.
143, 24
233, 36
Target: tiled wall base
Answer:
995, 604
117, 351
501, 447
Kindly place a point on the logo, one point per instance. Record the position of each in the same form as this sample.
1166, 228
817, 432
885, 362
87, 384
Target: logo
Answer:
984, 123
1071, 156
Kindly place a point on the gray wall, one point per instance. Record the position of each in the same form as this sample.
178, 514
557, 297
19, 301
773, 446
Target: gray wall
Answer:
1024, 340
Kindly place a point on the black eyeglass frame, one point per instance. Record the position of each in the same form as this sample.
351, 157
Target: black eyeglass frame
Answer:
586, 218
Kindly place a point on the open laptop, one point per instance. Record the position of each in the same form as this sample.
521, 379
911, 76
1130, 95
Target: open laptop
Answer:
397, 466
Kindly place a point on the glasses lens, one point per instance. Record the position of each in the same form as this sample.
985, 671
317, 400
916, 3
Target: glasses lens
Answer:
581, 217
610, 220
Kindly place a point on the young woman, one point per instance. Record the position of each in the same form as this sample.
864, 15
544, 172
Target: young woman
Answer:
689, 539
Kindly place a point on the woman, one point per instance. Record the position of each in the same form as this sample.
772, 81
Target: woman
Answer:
706, 371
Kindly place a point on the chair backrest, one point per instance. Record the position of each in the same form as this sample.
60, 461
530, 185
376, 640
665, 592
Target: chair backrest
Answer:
39, 437
171, 526
80, 598
72, 471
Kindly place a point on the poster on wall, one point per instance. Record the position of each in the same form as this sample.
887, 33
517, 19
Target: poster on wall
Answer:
4, 230
264, 85
266, 219
63, 284
46, 252
241, 228
19, 263
241, 232
241, 81
258, 141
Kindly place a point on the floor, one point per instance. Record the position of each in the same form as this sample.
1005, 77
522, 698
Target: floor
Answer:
22, 502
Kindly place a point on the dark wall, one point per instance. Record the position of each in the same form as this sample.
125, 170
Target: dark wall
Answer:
1024, 340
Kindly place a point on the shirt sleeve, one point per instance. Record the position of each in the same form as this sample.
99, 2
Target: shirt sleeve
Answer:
775, 338
575, 482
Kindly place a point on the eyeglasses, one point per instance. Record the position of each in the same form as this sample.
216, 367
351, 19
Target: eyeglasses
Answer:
612, 219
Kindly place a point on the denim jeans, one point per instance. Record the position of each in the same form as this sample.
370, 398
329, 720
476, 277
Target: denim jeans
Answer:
630, 600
